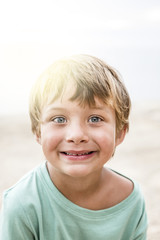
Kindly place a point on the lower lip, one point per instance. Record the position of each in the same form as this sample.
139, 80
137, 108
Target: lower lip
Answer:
78, 158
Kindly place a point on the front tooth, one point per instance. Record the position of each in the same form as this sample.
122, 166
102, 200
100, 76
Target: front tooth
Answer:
82, 154
74, 154
71, 154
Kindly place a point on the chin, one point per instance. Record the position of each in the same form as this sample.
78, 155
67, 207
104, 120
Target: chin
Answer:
77, 172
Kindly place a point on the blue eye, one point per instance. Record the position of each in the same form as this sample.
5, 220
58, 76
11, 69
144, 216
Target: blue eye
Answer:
95, 119
59, 120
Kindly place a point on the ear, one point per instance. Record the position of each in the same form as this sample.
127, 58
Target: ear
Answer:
121, 135
38, 138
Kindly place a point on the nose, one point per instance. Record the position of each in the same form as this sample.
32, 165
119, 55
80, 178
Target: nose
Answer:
77, 134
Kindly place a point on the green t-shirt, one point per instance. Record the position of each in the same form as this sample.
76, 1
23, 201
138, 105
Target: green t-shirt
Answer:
35, 209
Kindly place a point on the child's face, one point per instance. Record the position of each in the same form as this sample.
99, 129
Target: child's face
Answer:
78, 141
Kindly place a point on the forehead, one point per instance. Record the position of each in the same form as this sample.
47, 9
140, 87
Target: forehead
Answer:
82, 95
64, 103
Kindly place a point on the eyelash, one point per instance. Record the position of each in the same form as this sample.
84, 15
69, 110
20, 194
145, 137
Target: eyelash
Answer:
97, 118
58, 118
62, 120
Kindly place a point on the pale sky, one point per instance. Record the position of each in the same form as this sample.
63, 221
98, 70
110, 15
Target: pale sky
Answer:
33, 33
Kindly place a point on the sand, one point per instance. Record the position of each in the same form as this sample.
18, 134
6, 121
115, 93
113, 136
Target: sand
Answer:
138, 157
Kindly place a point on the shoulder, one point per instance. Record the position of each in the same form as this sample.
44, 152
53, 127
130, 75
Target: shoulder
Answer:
21, 205
119, 187
124, 186
122, 190
23, 193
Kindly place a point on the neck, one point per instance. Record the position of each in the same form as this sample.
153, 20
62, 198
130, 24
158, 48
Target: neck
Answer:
78, 190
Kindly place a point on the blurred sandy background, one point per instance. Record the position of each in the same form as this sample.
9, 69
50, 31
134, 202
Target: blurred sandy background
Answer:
138, 157
126, 34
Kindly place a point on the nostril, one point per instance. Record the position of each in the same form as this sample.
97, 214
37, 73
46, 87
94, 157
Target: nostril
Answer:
77, 141
77, 138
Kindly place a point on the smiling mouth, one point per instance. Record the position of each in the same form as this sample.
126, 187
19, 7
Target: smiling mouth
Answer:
77, 154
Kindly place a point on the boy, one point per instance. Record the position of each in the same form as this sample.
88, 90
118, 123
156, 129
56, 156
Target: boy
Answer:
79, 111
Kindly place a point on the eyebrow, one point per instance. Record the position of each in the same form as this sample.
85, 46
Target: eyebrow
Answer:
55, 108
97, 108
102, 108
61, 108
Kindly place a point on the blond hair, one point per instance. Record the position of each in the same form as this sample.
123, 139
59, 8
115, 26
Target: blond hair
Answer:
91, 78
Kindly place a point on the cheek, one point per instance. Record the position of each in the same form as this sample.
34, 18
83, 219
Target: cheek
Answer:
50, 140
106, 139
107, 143
105, 136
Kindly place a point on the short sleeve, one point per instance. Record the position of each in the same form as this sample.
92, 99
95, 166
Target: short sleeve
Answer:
141, 229
14, 224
